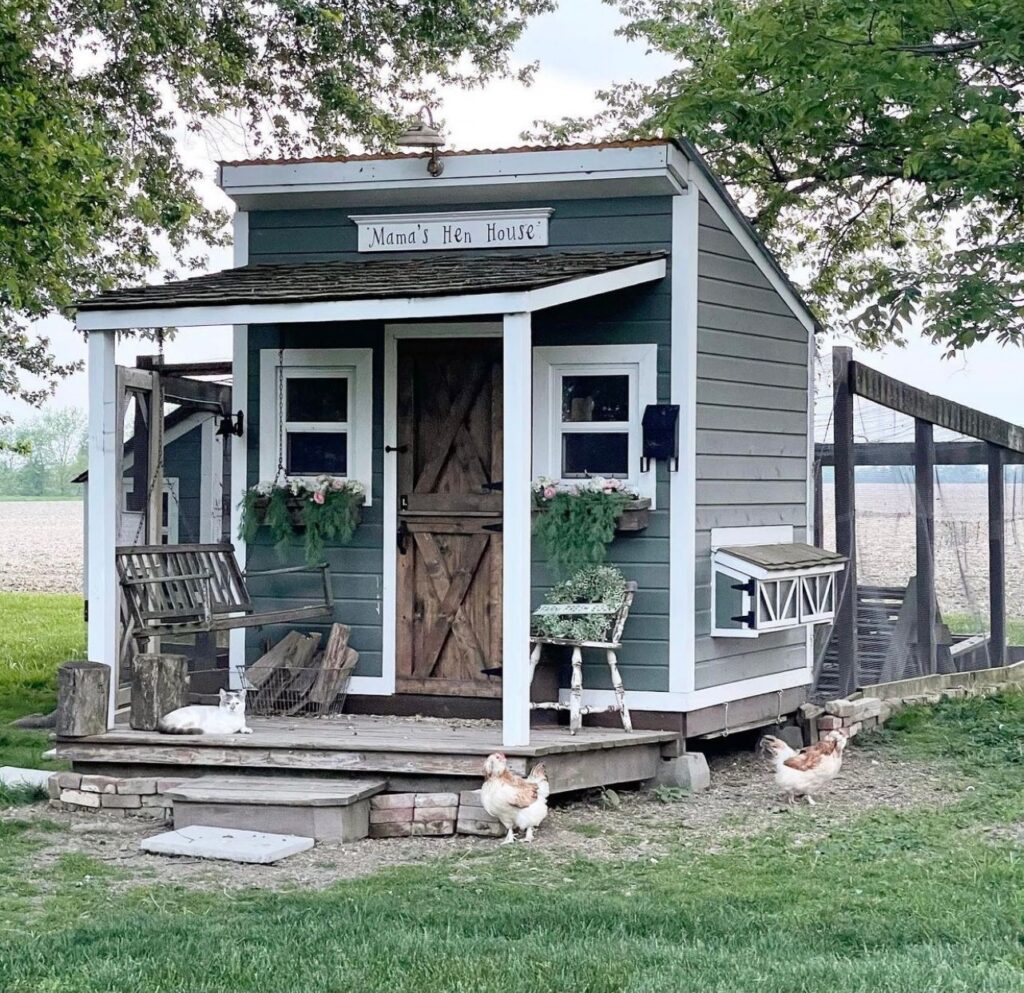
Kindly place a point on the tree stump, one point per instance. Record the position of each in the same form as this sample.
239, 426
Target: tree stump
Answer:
160, 684
83, 695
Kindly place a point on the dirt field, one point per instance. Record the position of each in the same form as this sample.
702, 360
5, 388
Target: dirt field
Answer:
41, 546
41, 543
885, 541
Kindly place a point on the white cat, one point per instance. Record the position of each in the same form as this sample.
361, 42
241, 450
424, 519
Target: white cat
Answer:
228, 718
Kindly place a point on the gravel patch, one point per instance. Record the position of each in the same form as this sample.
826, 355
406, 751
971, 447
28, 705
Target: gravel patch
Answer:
610, 825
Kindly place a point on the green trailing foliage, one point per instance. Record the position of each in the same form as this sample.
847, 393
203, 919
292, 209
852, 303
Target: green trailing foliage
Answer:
327, 511
593, 584
576, 527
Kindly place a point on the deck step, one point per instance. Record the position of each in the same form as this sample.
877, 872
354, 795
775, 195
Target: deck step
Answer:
323, 809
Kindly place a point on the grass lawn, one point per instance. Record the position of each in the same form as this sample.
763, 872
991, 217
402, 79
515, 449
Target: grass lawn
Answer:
38, 631
926, 898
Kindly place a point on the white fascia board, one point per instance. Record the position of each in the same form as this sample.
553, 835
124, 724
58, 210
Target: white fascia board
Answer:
397, 309
509, 169
683, 703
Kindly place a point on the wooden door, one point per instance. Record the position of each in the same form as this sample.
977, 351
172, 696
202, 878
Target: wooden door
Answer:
449, 455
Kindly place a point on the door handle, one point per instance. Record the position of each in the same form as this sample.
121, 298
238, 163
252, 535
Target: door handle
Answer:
402, 538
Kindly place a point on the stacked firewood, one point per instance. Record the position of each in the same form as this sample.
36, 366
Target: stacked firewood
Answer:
296, 676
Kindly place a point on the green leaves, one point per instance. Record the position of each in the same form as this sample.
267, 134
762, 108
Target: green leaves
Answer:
879, 143
95, 98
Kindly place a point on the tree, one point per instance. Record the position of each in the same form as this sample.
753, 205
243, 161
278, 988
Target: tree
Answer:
94, 97
43, 455
877, 143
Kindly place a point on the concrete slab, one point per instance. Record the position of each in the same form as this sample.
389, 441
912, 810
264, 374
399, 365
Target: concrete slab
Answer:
12, 776
199, 841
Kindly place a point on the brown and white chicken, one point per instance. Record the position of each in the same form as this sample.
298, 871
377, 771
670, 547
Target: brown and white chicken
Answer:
808, 771
520, 804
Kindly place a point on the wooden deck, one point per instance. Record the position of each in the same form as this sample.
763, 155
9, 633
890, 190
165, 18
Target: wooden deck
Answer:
407, 752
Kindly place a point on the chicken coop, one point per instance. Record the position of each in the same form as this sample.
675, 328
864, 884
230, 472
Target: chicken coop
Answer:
416, 354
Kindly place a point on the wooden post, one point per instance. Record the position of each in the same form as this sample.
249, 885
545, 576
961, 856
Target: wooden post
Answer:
136, 500
155, 476
924, 495
996, 556
819, 505
517, 404
846, 519
160, 684
83, 695
104, 507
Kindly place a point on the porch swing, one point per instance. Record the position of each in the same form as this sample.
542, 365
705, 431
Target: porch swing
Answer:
189, 589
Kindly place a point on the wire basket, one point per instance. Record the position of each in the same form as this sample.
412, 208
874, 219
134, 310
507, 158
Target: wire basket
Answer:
287, 691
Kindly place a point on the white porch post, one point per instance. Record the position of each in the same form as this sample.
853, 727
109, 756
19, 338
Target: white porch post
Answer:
517, 407
103, 509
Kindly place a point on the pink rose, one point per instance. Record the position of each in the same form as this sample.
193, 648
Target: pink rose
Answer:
318, 497
337, 484
549, 492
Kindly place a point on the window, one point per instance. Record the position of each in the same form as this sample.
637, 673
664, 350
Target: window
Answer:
132, 520
316, 413
589, 401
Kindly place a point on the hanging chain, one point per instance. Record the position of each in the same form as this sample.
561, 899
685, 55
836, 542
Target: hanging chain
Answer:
280, 474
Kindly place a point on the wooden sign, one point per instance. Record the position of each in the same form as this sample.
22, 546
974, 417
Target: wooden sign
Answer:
524, 228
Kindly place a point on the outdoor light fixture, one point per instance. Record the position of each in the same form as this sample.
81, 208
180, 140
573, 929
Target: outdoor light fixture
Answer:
423, 133
660, 435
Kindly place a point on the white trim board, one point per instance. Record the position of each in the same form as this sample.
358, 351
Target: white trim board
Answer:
682, 703
239, 444
396, 309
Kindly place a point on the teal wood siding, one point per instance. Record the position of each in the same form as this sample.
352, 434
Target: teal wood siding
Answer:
183, 460
751, 435
638, 315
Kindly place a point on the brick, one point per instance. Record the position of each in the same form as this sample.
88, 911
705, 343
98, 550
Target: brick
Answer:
437, 800
138, 787
151, 813
396, 815
53, 788
79, 798
470, 798
829, 723
99, 784
840, 708
122, 801
435, 813
391, 830
69, 780
854, 729
870, 722
391, 800
432, 829
155, 800
473, 825
809, 711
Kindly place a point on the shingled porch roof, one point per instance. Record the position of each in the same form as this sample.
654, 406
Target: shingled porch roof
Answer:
436, 275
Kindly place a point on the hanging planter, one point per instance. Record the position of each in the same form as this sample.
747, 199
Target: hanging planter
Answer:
327, 510
576, 525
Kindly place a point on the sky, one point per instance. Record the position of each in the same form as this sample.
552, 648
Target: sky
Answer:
578, 53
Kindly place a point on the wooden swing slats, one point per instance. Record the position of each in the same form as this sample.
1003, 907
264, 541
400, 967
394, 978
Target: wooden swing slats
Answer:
199, 588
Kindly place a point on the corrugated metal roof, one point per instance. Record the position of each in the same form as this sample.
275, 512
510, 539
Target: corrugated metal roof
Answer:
777, 557
370, 279
448, 153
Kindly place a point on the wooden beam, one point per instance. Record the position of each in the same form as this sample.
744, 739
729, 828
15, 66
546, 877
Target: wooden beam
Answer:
900, 453
517, 385
196, 392
906, 399
819, 506
996, 557
184, 368
846, 519
136, 500
924, 492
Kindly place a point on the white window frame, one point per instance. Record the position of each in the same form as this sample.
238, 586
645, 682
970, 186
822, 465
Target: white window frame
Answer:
352, 364
551, 363
170, 530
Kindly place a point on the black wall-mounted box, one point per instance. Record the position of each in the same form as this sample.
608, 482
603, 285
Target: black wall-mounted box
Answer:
660, 435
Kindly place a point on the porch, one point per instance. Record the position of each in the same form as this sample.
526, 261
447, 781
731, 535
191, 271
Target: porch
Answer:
412, 754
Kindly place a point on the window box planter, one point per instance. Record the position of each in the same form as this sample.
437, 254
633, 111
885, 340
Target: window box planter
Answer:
636, 515
296, 510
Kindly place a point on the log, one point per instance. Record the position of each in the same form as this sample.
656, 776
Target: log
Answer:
282, 655
273, 674
299, 687
83, 696
160, 684
338, 663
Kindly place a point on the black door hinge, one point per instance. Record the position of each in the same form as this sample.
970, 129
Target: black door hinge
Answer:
498, 528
